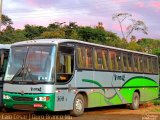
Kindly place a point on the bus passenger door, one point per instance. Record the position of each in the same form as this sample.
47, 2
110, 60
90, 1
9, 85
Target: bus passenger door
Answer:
64, 76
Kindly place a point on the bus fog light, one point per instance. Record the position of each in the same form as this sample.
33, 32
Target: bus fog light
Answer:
6, 97
46, 98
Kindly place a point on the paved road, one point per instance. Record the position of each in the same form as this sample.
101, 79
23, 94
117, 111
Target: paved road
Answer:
105, 113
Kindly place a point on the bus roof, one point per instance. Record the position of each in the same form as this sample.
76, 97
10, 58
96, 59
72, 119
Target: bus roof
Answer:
5, 46
57, 41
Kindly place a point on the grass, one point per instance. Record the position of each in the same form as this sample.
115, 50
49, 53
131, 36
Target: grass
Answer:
156, 102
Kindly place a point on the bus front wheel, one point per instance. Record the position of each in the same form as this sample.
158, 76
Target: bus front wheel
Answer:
78, 106
135, 101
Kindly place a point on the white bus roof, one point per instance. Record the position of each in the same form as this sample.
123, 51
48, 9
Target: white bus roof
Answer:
57, 41
5, 46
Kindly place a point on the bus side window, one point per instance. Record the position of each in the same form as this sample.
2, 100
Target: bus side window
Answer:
89, 56
140, 63
118, 60
100, 59
111, 60
96, 59
150, 65
104, 59
155, 65
80, 57
114, 60
65, 63
127, 62
124, 62
135, 63
84, 57
146, 64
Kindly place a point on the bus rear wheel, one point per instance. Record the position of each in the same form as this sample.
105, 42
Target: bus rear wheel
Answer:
78, 106
135, 101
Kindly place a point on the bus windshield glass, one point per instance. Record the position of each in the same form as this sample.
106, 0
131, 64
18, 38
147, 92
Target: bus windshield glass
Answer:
30, 63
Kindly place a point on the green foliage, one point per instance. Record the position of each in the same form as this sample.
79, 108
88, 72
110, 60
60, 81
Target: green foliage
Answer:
156, 102
134, 46
113, 40
53, 34
150, 45
92, 35
6, 21
71, 31
10, 35
32, 31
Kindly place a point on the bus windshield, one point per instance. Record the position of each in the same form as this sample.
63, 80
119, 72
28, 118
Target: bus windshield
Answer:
30, 63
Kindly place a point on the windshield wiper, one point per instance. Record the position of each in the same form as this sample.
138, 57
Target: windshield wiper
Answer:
20, 70
17, 73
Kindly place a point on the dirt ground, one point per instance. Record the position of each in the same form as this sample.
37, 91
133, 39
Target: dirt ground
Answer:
146, 111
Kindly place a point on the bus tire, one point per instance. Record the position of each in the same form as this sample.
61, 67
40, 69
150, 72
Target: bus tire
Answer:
135, 101
78, 106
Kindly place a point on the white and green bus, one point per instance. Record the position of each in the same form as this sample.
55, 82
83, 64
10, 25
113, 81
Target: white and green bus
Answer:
63, 74
4, 53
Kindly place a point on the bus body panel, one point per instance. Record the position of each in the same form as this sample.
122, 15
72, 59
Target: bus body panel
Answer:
104, 89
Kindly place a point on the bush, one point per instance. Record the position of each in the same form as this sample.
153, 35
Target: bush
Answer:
156, 102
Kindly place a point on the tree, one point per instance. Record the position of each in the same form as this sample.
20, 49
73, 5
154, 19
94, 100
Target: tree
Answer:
53, 34
134, 46
71, 30
133, 38
121, 17
150, 45
92, 34
7, 35
55, 25
100, 25
32, 31
6, 21
10, 35
113, 40
136, 25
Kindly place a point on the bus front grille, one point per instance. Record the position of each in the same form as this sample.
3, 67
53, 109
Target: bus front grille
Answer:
22, 98
24, 107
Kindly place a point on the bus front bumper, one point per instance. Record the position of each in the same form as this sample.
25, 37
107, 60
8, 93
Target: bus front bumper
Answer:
34, 102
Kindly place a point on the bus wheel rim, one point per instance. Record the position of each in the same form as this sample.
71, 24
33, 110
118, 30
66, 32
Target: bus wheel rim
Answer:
136, 101
79, 105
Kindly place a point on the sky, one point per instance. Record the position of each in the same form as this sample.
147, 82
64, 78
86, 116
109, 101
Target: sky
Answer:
85, 13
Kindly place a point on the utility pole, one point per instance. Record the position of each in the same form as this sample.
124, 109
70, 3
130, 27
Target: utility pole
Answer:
0, 14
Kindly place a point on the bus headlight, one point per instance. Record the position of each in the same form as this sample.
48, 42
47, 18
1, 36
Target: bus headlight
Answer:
6, 97
46, 98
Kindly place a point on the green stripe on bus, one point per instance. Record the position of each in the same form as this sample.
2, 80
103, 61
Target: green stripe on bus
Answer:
126, 93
